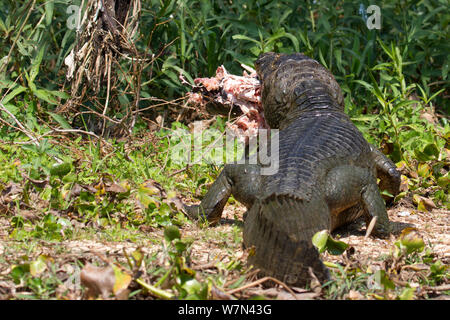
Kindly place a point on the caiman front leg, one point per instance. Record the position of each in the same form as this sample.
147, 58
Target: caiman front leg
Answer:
240, 180
387, 172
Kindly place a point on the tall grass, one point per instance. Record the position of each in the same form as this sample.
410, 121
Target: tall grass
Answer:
406, 59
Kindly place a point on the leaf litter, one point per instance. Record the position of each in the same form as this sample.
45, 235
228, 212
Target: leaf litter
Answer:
209, 255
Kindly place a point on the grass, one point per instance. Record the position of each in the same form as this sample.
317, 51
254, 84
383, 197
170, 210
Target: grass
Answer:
71, 199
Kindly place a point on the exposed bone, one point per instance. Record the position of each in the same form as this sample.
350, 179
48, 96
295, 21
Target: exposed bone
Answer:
231, 90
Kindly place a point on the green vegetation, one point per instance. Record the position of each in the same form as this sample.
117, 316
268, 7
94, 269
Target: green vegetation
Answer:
93, 166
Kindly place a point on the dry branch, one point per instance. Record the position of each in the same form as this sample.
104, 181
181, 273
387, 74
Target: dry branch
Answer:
105, 35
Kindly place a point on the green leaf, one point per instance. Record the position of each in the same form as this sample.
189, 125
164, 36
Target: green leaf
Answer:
36, 63
403, 104
322, 59
438, 269
410, 241
184, 73
423, 170
323, 241
171, 233
61, 120
180, 246
319, 240
3, 26
432, 97
407, 294
365, 118
18, 272
242, 37
338, 58
376, 91
43, 95
294, 41
192, 287
61, 169
146, 200
60, 94
444, 181
335, 247
431, 150
164, 209
49, 6
365, 84
421, 156
386, 49
138, 256
37, 267
383, 280
17, 90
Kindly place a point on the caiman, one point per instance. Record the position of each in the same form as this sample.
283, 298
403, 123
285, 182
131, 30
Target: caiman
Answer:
327, 174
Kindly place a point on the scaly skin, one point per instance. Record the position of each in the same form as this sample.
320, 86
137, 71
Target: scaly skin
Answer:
326, 178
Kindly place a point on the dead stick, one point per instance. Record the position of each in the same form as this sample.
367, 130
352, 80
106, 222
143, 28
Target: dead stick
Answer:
370, 227
180, 171
108, 89
262, 280
443, 287
21, 126
248, 276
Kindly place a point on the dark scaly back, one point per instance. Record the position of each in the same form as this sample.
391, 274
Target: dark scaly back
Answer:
314, 86
302, 99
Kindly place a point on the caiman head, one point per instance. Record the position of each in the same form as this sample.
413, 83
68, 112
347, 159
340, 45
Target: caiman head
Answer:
294, 84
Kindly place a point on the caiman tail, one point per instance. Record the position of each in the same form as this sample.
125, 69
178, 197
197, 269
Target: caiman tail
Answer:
280, 228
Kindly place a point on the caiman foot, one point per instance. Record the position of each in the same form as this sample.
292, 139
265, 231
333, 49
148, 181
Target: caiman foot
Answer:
197, 213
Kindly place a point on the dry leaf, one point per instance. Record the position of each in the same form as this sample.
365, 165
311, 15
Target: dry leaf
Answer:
218, 294
11, 192
99, 281
151, 187
159, 120
404, 184
121, 284
429, 115
116, 188
423, 204
105, 281
29, 215
200, 125
355, 295
174, 201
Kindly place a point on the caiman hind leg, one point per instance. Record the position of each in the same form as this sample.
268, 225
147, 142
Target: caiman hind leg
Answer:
389, 180
240, 180
349, 188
